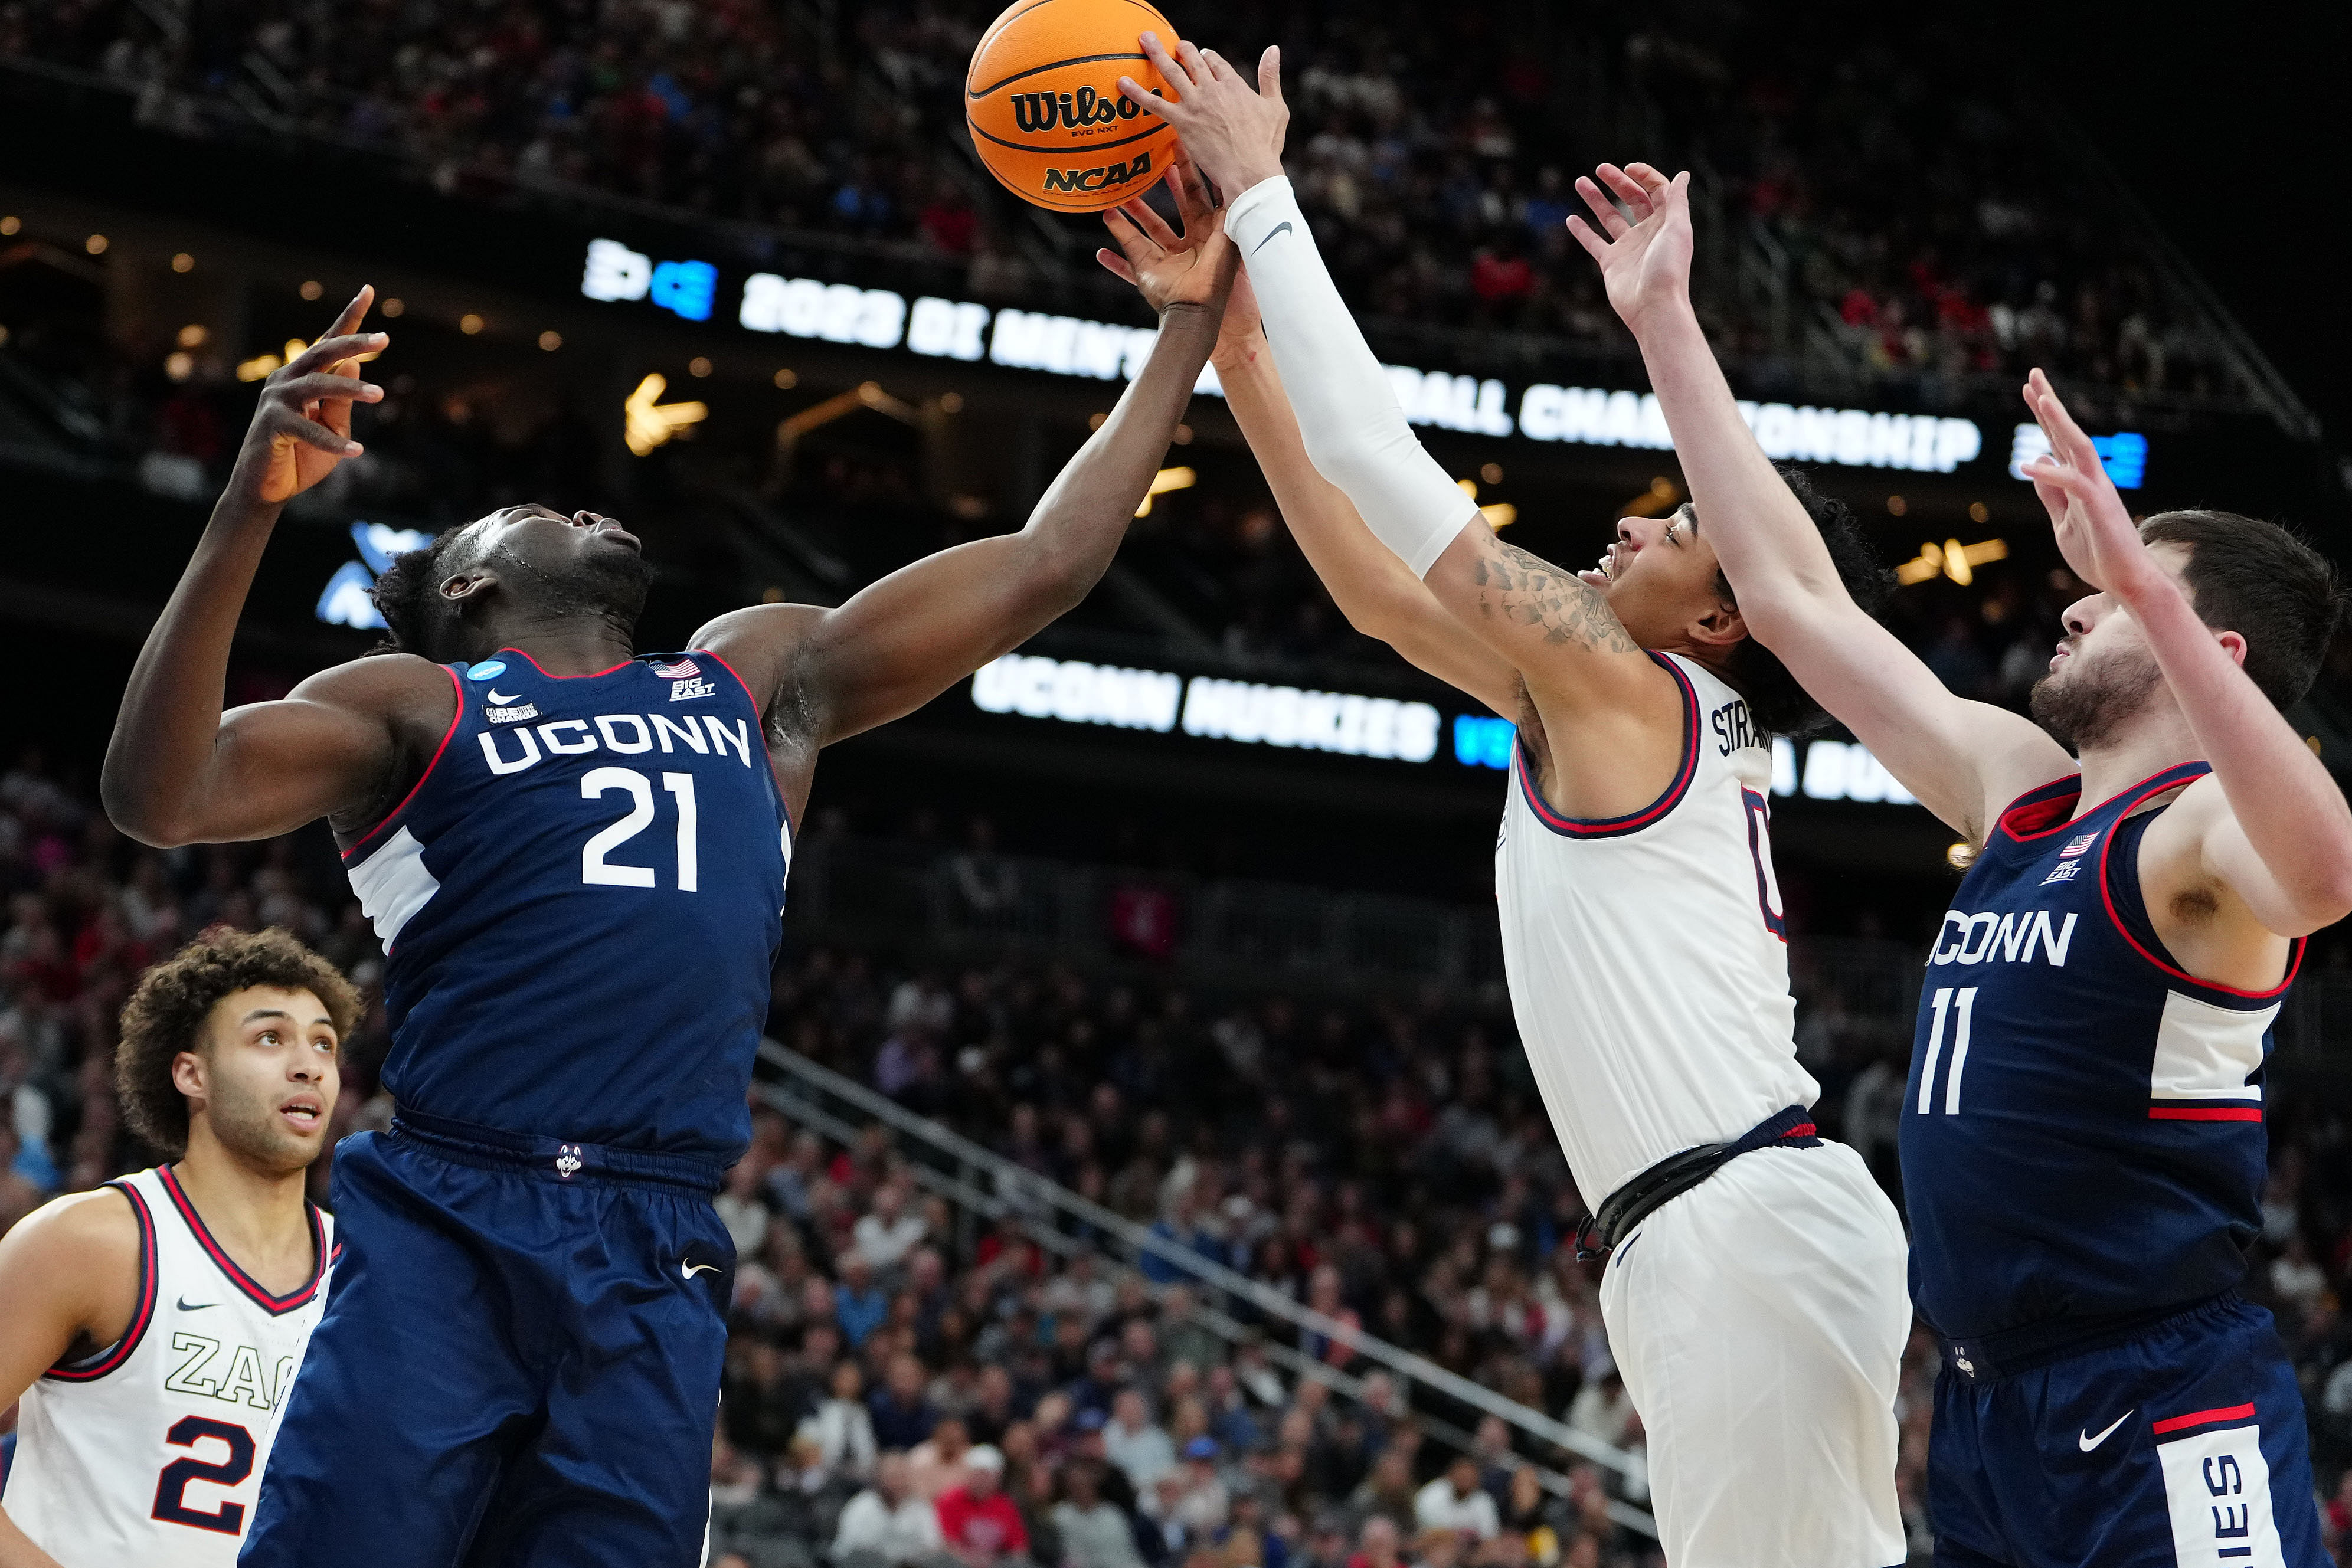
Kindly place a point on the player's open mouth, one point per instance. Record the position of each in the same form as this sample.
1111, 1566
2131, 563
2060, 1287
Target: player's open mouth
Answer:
1605, 572
304, 1113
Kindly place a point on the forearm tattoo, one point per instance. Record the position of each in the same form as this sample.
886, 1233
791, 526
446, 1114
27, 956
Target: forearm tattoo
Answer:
1528, 591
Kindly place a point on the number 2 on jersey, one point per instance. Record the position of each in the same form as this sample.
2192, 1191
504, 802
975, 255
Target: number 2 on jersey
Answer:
595, 869
172, 1486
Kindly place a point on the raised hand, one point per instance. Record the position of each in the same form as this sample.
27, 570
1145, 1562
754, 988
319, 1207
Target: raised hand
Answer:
1233, 134
2096, 531
1644, 264
1195, 267
302, 427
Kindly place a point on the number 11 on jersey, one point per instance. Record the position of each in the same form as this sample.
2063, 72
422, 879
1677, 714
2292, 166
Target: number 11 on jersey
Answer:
595, 869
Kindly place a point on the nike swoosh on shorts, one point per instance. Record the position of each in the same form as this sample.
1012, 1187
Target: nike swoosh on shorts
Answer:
2087, 1442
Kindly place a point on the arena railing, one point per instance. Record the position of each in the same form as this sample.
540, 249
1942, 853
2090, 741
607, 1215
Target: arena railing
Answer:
982, 1183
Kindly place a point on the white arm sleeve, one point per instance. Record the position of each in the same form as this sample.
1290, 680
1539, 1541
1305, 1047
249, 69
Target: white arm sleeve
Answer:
1355, 433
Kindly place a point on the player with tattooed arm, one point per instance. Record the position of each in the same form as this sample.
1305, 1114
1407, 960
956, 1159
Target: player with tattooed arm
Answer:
1755, 1299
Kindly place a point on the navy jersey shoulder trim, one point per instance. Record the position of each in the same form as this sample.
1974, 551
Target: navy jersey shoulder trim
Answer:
593, 675
2044, 809
90, 1368
1633, 821
276, 1306
2147, 788
456, 719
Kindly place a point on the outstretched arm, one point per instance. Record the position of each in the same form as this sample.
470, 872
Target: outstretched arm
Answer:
179, 769
1965, 760
828, 675
2284, 846
1374, 589
1558, 633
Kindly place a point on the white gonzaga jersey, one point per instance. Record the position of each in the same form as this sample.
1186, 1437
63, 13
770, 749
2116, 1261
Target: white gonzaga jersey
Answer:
149, 1454
1647, 959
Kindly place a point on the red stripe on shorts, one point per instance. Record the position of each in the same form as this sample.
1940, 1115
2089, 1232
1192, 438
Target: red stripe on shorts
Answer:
2205, 1418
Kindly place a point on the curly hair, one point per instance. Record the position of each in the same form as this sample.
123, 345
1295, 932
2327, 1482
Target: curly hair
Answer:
1777, 704
167, 1014
416, 620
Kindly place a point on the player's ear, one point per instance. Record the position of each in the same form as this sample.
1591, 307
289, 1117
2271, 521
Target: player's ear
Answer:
465, 584
1721, 626
188, 1074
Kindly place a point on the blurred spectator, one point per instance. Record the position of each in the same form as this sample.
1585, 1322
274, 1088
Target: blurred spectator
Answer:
1135, 1443
887, 1234
1455, 1502
1095, 1534
981, 1525
903, 1416
841, 1426
888, 1523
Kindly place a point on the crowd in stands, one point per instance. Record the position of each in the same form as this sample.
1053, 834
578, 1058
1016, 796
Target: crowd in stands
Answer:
1891, 169
910, 1385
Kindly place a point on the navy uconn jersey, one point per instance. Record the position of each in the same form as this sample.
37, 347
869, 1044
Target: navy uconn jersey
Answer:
581, 902
2082, 1140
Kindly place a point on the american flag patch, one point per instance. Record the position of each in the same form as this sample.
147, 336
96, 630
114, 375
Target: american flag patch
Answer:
2077, 846
679, 671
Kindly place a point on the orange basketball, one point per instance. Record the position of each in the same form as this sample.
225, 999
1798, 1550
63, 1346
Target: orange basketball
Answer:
1042, 103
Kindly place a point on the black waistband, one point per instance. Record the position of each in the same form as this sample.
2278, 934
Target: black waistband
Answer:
1988, 1358
555, 1158
1677, 1174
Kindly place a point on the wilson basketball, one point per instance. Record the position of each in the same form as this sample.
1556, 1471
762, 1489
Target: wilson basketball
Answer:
1042, 104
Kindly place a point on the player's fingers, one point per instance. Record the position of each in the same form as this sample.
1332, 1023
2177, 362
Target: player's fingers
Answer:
1194, 182
1612, 222
1142, 97
1118, 266
300, 390
310, 433
1581, 232
2066, 438
1269, 72
1197, 69
353, 313
327, 351
1175, 73
1155, 228
1131, 240
1626, 189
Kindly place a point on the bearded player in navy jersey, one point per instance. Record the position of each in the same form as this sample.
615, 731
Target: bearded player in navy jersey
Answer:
2083, 1147
576, 856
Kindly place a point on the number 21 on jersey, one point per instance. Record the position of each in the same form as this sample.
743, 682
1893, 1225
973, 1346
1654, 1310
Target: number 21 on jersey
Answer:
596, 870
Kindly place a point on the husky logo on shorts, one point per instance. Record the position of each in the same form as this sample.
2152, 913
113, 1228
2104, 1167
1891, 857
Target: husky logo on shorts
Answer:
2218, 1486
568, 1161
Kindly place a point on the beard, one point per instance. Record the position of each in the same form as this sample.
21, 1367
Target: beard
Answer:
606, 585
248, 1125
2087, 705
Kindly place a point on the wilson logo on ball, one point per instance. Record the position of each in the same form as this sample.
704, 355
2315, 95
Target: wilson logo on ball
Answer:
1043, 112
1035, 111
1115, 173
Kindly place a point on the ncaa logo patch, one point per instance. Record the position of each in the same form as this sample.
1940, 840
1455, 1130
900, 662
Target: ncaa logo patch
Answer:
488, 670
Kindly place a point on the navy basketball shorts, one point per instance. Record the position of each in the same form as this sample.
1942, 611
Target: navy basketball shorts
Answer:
2184, 1446
518, 1364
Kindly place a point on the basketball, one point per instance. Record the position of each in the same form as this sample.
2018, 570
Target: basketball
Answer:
1042, 104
